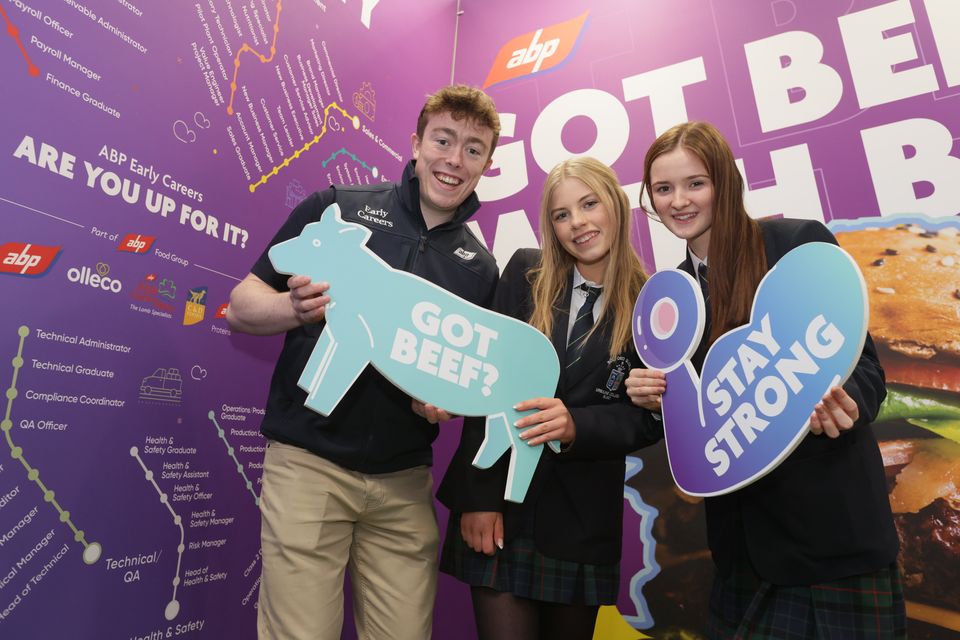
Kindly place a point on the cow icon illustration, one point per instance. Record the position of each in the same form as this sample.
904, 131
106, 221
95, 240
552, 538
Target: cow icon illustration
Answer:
430, 343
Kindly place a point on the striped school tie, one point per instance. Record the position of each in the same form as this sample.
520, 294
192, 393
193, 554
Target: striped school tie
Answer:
702, 273
582, 325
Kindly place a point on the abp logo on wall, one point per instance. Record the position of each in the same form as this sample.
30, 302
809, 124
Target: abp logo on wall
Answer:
136, 243
27, 259
536, 51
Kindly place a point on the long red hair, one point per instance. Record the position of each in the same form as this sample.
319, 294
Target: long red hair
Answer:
736, 254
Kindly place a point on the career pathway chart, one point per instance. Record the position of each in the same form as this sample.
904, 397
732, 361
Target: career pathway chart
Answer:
150, 151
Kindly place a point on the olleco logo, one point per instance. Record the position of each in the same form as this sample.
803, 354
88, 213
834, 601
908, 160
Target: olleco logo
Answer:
536, 51
98, 280
25, 259
136, 243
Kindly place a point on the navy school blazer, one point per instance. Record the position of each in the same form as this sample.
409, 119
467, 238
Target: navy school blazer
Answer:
823, 513
575, 497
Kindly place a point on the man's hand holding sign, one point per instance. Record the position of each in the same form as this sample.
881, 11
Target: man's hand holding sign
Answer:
443, 351
763, 385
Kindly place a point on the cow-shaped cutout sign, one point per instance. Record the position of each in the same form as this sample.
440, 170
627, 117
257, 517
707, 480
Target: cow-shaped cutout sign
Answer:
760, 382
433, 345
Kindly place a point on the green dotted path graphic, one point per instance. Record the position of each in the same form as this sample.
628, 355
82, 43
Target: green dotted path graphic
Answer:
91, 550
173, 607
230, 452
343, 151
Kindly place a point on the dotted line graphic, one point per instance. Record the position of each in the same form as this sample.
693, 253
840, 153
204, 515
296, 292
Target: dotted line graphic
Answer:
343, 151
264, 59
173, 607
354, 120
91, 550
230, 452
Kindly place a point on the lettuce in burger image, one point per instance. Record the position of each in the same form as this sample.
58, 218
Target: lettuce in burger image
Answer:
911, 266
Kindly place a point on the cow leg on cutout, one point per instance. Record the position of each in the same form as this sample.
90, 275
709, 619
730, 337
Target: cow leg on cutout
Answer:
499, 437
332, 369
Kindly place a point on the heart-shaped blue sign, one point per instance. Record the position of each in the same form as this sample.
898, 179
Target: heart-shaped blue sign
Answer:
760, 382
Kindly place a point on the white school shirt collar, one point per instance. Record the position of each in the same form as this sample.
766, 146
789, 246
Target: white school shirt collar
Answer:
578, 296
695, 261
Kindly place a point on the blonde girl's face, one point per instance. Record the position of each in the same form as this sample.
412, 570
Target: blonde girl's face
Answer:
583, 226
682, 194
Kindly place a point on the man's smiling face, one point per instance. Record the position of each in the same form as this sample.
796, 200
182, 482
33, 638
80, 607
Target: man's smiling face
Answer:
451, 157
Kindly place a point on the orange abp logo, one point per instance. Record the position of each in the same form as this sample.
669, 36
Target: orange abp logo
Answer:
536, 51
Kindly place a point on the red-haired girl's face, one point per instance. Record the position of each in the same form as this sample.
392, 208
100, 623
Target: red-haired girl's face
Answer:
682, 195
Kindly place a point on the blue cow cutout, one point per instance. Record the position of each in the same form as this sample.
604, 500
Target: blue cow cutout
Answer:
760, 382
430, 343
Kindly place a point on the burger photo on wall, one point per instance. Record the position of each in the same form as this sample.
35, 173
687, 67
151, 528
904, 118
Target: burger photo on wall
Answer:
911, 265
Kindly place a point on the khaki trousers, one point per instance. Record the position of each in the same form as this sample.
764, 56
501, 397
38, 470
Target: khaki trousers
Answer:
318, 519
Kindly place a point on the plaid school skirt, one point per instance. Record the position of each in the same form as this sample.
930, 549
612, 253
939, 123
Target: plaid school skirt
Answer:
519, 568
869, 606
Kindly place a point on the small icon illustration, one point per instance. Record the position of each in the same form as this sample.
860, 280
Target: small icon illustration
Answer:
184, 133
167, 289
365, 100
295, 193
163, 385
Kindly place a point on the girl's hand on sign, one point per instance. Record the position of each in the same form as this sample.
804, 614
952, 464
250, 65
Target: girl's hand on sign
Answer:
835, 413
552, 422
645, 388
431, 413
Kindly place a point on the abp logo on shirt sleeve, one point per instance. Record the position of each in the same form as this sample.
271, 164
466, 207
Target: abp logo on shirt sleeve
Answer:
536, 51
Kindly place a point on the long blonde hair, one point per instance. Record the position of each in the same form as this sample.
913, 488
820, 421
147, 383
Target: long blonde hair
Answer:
737, 257
624, 275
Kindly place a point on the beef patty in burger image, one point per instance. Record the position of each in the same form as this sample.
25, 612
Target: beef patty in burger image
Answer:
911, 266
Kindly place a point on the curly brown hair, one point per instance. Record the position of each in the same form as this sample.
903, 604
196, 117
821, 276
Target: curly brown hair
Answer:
461, 101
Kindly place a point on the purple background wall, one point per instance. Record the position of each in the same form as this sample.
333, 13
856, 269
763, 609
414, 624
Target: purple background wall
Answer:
836, 111
172, 97
870, 131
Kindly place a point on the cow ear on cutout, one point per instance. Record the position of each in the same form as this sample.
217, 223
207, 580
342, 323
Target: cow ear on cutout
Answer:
331, 216
332, 220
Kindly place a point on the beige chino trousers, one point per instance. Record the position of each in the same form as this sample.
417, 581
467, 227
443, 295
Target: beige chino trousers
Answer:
319, 519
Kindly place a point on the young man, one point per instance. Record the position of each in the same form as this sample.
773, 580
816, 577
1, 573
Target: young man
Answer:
354, 489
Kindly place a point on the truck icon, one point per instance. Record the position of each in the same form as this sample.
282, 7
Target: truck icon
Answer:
162, 384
